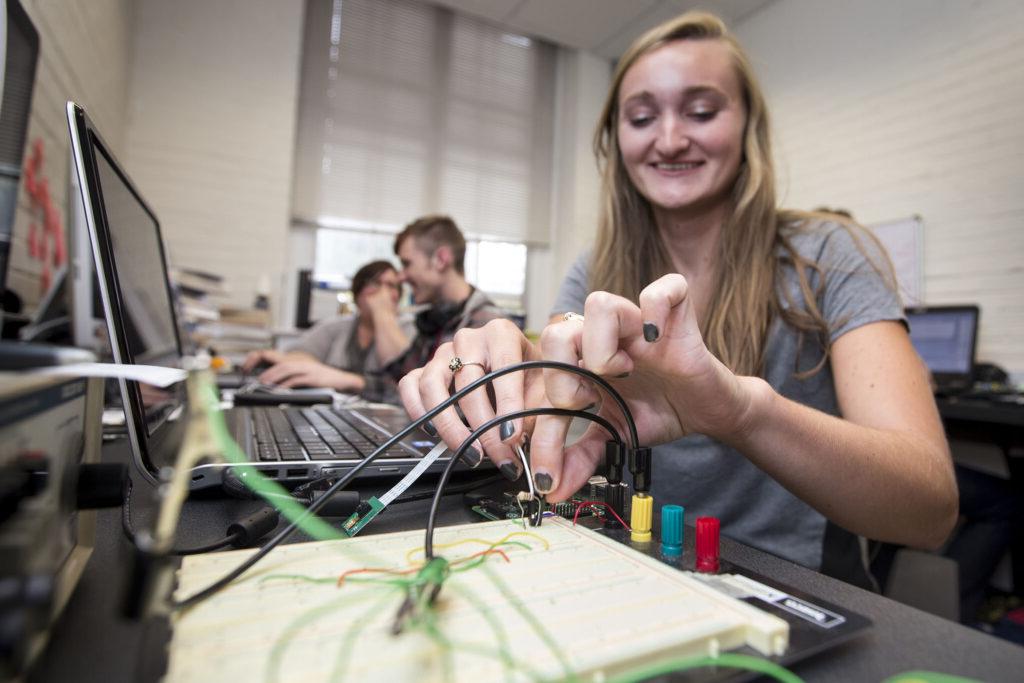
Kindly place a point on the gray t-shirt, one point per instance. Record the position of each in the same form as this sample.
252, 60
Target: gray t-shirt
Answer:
333, 342
710, 479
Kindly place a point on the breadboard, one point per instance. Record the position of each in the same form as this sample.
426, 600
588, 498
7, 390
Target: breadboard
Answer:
571, 604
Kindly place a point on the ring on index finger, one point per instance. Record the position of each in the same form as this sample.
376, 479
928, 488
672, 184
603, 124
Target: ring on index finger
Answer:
456, 364
572, 316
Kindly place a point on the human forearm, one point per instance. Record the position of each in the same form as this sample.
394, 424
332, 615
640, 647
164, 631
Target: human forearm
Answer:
348, 382
886, 484
299, 355
389, 339
311, 373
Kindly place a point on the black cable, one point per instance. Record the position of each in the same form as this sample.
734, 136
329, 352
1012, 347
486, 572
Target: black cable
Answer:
129, 531
224, 542
494, 374
464, 488
430, 414
409, 497
126, 515
428, 544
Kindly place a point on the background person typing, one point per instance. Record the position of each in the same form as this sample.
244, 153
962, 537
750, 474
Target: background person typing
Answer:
340, 352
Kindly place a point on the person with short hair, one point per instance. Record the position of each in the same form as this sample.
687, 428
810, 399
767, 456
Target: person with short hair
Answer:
763, 352
341, 352
432, 252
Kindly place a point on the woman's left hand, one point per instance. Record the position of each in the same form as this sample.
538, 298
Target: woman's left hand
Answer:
655, 357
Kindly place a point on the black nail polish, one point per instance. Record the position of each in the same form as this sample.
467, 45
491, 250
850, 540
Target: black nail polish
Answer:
472, 457
543, 481
509, 470
507, 428
428, 427
651, 332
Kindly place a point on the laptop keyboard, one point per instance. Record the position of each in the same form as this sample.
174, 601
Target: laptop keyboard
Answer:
316, 433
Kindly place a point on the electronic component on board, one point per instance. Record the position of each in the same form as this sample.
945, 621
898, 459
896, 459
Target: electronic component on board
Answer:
366, 511
707, 545
509, 506
672, 530
640, 518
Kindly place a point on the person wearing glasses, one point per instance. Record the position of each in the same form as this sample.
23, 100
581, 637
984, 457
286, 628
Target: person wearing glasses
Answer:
339, 353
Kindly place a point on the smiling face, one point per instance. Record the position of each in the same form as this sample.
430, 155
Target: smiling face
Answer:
421, 271
680, 126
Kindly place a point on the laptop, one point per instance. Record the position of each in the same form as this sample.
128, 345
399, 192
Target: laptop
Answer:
945, 337
291, 444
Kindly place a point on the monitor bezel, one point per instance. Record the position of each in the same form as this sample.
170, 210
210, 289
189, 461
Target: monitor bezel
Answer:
83, 136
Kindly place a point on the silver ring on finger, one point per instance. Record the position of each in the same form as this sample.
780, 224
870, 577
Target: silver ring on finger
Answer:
456, 364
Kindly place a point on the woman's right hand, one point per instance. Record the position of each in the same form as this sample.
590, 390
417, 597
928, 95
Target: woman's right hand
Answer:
497, 344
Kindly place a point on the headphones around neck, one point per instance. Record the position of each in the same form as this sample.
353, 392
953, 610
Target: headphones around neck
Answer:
439, 318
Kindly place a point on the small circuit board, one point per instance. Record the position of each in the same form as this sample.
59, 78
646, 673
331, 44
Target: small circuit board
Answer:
511, 506
363, 515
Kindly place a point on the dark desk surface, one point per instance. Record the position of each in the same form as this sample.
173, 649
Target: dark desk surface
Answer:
1006, 413
90, 643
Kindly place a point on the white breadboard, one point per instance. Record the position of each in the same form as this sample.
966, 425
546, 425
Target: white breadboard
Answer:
575, 604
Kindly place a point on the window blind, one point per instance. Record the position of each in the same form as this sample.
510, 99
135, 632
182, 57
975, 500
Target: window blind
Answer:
406, 109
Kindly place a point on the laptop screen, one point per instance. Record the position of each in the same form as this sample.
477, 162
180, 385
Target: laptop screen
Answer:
945, 337
133, 281
135, 242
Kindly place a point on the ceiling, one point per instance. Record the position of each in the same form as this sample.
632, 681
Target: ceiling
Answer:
604, 27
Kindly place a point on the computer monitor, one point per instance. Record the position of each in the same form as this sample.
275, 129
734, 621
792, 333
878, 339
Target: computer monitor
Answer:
945, 337
87, 320
132, 279
17, 78
50, 322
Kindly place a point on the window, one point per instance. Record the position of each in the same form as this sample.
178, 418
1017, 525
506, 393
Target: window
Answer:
340, 253
407, 109
498, 268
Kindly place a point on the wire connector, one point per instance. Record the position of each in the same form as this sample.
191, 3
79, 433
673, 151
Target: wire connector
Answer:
641, 513
615, 497
422, 593
640, 468
614, 460
254, 527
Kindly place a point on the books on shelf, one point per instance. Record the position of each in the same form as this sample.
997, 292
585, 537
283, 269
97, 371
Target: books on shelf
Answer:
212, 322
256, 317
194, 310
199, 294
198, 282
230, 339
221, 329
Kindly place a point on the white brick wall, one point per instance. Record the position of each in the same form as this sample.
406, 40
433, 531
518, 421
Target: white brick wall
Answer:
582, 81
83, 55
891, 109
211, 130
